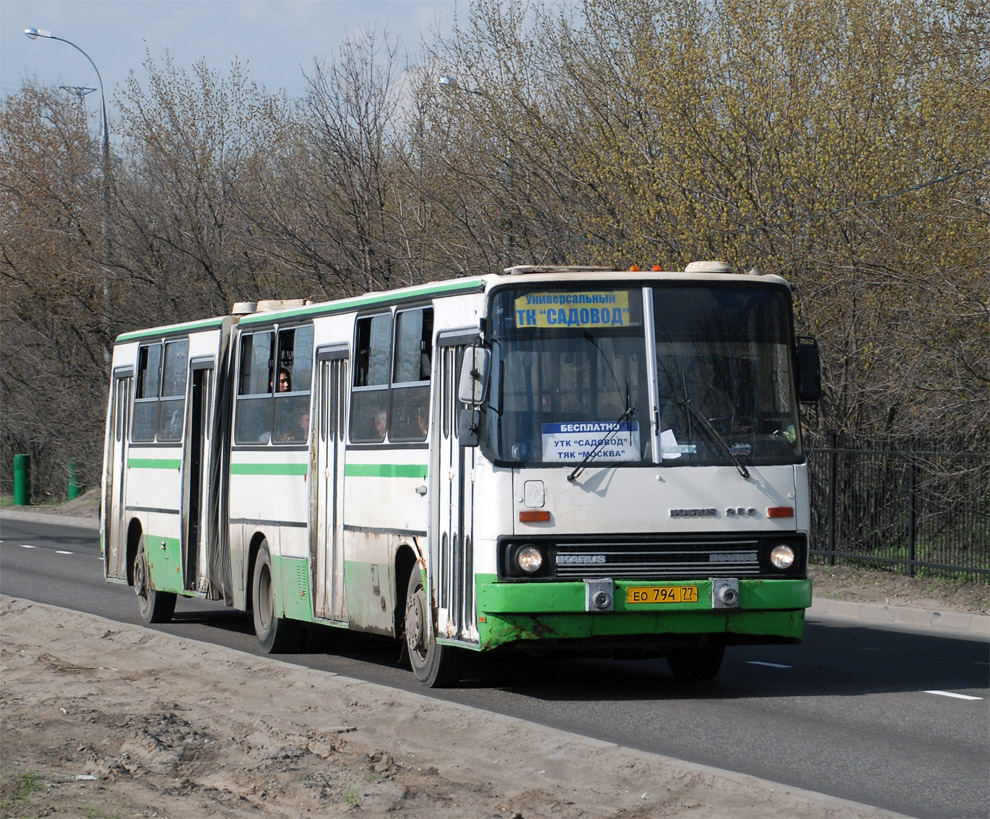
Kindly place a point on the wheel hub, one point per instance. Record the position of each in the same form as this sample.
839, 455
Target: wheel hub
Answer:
140, 577
415, 623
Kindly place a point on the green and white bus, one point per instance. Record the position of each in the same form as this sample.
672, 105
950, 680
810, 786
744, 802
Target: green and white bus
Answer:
596, 461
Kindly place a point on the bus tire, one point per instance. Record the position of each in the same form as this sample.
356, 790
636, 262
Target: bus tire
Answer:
435, 665
153, 606
696, 664
275, 634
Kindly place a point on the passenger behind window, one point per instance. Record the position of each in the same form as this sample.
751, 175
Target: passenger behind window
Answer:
380, 423
296, 430
292, 419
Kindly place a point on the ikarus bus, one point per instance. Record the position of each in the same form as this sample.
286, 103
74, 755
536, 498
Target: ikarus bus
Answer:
602, 462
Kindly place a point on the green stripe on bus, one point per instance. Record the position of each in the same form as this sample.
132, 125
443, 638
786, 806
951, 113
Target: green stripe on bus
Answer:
385, 470
343, 305
154, 463
269, 469
187, 327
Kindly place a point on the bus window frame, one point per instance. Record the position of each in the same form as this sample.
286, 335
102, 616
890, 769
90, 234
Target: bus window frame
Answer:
364, 408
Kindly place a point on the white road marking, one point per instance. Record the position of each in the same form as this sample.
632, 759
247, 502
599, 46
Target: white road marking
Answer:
26, 546
61, 552
768, 665
953, 695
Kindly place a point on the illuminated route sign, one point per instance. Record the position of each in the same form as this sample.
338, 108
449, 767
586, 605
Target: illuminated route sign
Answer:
588, 308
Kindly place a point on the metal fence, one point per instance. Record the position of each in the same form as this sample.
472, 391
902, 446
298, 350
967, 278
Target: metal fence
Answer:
920, 507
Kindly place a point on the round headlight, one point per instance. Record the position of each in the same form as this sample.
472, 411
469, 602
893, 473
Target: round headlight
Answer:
782, 556
529, 559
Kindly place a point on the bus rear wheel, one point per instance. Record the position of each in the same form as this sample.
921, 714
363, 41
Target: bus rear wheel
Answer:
153, 606
275, 634
435, 665
696, 664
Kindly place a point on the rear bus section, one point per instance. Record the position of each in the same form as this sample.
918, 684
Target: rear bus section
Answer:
162, 464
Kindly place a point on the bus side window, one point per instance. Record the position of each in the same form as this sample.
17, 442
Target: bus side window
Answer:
173, 398
369, 396
295, 366
146, 395
253, 413
409, 419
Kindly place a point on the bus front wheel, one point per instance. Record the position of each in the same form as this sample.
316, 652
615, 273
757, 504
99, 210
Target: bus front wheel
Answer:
696, 664
275, 634
435, 665
154, 606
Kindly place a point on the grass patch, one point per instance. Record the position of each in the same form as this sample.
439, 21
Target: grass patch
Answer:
8, 501
351, 796
15, 791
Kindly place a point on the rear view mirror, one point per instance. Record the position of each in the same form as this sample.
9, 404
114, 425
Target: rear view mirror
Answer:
472, 387
807, 361
467, 427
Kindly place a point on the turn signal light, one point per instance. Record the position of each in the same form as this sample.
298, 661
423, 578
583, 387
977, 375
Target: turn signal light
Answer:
780, 512
534, 516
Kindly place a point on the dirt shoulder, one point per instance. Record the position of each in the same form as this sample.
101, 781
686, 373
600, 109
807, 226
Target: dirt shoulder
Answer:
104, 720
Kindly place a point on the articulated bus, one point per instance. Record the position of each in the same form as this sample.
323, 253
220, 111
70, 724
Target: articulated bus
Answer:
601, 462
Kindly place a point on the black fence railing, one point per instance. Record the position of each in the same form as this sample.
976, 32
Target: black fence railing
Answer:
920, 507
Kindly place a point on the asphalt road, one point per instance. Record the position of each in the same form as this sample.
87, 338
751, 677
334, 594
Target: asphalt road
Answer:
897, 720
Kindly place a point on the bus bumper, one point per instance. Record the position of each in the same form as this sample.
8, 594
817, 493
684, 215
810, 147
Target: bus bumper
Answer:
556, 614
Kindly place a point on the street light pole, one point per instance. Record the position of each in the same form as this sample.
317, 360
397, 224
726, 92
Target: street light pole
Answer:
33, 34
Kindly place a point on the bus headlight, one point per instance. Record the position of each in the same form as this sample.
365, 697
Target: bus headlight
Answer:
529, 559
782, 556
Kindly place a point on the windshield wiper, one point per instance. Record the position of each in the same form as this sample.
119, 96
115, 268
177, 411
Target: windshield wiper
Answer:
626, 415
714, 433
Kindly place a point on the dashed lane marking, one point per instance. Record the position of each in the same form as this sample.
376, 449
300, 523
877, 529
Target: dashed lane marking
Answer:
953, 695
768, 665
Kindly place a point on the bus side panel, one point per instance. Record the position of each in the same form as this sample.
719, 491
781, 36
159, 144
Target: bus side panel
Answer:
154, 486
269, 499
239, 544
369, 581
385, 507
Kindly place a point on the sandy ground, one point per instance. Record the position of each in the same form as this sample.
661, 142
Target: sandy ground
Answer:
99, 719
105, 720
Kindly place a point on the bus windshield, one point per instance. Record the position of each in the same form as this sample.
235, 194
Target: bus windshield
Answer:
572, 372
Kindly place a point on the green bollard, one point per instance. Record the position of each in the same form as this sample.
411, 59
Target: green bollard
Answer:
22, 480
74, 490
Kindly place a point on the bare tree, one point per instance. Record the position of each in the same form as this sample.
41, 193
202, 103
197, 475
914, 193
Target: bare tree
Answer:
52, 368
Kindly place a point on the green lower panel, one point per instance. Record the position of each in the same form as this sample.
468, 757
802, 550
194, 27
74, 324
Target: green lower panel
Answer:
296, 602
164, 563
770, 610
369, 589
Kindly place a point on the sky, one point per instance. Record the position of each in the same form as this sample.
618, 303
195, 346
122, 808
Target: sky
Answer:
275, 39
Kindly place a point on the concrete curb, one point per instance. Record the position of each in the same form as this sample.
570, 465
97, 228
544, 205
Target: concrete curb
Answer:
953, 622
944, 622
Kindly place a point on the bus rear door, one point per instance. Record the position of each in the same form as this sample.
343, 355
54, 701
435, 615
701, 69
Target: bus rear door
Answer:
115, 538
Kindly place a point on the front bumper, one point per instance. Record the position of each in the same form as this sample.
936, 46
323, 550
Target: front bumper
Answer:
555, 614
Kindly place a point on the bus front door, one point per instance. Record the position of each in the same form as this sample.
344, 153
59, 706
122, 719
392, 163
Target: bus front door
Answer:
328, 484
115, 536
451, 574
